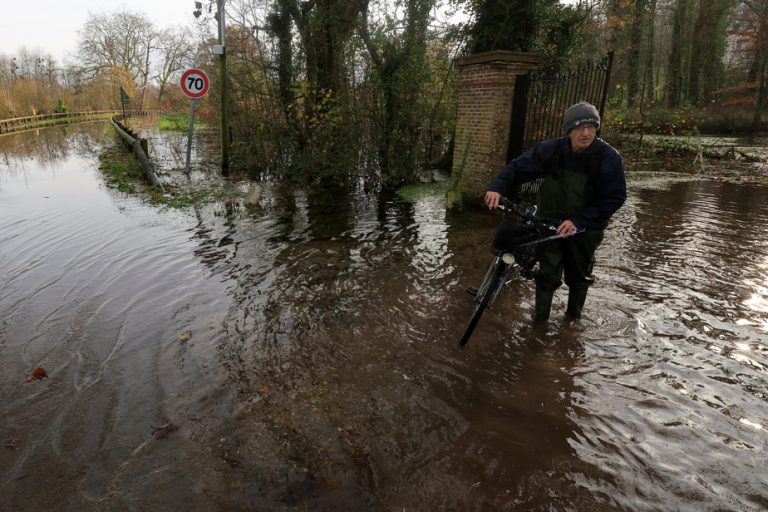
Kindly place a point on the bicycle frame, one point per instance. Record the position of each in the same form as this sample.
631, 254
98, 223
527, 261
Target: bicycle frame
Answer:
507, 268
493, 283
495, 278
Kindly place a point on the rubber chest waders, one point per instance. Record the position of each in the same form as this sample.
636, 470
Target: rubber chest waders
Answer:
566, 192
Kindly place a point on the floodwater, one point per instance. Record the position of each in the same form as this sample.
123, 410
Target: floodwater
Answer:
305, 354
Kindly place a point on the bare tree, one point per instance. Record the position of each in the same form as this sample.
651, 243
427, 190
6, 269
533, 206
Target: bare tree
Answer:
176, 53
120, 40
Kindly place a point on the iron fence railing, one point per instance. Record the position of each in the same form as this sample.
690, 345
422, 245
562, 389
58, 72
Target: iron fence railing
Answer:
541, 98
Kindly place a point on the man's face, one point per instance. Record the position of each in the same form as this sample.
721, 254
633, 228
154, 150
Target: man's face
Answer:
582, 137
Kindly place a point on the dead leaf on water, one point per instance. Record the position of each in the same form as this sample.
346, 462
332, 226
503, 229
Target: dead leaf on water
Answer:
163, 431
37, 374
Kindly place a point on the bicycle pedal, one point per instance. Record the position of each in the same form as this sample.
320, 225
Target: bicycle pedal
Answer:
472, 291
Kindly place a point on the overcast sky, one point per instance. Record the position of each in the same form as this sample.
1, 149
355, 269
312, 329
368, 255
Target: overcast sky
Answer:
52, 25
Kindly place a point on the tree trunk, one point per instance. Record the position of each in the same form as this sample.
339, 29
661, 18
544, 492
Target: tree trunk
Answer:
650, 53
279, 23
711, 77
761, 10
706, 50
633, 57
762, 92
675, 70
399, 69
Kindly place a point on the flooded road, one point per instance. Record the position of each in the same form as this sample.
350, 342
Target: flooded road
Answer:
303, 357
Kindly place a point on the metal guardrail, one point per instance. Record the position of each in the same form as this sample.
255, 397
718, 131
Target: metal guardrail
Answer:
139, 147
16, 124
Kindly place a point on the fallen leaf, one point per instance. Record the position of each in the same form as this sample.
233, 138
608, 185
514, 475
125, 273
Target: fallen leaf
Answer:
185, 336
163, 431
264, 390
37, 374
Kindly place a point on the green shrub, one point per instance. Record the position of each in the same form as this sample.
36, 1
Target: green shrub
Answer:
61, 107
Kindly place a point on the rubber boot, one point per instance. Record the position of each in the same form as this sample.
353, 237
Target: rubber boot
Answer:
576, 299
543, 304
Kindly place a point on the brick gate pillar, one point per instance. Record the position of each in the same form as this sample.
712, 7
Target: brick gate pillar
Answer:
485, 90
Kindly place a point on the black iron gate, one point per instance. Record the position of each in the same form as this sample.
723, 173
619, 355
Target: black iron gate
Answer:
540, 100
537, 114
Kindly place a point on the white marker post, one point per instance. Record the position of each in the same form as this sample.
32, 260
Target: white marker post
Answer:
194, 83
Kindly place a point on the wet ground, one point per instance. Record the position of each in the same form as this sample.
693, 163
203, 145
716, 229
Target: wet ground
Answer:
303, 356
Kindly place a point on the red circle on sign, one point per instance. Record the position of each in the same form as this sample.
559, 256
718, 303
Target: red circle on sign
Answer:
194, 83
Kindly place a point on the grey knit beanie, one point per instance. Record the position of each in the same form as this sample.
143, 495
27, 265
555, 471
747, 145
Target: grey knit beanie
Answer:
580, 113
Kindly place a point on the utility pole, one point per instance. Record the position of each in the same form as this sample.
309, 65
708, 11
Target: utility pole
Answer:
221, 50
223, 89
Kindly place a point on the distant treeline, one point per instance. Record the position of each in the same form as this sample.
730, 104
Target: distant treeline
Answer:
339, 91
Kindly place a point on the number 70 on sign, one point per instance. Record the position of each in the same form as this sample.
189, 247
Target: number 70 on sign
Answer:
194, 83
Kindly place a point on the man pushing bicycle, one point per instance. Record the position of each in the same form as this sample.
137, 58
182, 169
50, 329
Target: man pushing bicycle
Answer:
583, 184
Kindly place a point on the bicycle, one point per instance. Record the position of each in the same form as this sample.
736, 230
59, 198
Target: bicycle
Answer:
513, 249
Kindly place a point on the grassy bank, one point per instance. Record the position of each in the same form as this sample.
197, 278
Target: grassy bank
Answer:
173, 122
733, 120
120, 168
692, 146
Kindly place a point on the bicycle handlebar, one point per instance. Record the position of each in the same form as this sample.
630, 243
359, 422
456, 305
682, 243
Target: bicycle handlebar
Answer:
507, 205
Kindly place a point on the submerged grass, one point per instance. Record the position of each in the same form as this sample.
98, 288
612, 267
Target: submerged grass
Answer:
121, 168
173, 122
413, 193
124, 173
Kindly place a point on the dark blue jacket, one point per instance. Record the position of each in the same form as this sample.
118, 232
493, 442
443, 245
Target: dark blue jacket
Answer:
599, 159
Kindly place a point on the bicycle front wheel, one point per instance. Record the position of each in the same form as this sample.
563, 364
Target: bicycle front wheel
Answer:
485, 296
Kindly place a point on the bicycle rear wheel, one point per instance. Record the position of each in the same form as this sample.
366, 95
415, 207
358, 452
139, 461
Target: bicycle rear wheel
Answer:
485, 295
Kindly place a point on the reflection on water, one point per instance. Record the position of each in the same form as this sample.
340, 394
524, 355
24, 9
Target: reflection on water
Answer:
307, 353
47, 146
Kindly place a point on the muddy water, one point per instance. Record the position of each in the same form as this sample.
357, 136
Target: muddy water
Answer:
306, 353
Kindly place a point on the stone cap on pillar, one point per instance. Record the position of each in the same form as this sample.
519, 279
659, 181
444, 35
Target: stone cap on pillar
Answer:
526, 61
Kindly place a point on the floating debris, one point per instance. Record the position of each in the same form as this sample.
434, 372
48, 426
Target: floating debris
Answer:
37, 374
164, 431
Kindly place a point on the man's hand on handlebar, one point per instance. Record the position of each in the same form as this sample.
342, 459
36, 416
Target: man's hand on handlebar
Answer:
492, 199
566, 228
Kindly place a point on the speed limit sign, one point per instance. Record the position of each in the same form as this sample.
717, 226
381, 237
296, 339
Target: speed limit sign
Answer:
194, 83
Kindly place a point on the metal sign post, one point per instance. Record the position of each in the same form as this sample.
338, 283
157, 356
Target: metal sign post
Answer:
194, 83
189, 137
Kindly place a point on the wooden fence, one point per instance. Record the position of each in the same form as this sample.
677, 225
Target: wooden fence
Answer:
25, 123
